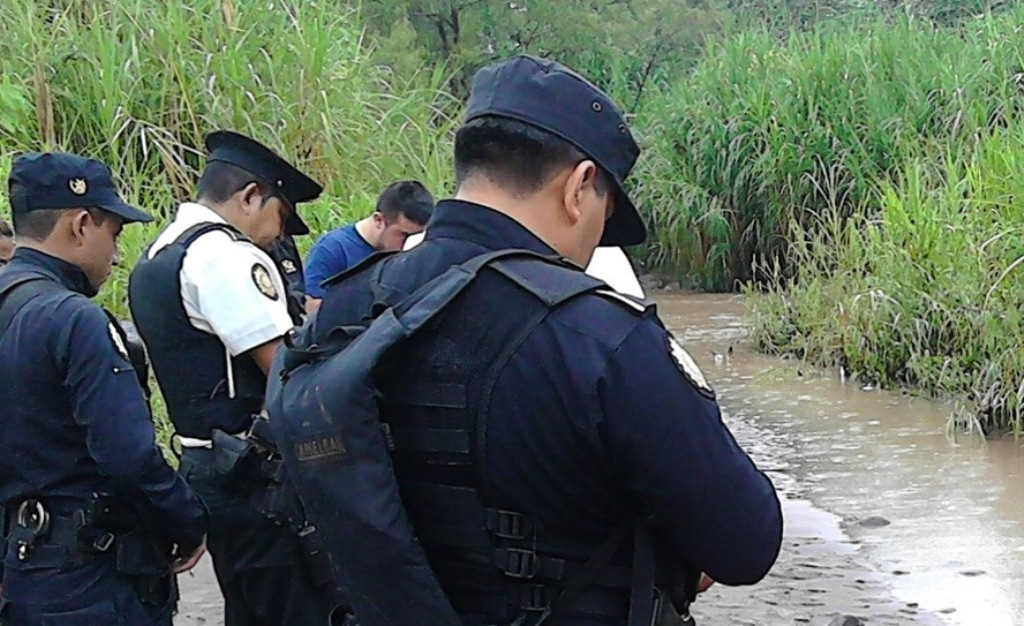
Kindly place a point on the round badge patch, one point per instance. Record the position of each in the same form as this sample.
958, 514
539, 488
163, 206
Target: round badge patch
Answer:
689, 368
261, 276
118, 342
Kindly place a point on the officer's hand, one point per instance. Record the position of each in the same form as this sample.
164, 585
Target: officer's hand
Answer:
184, 564
704, 583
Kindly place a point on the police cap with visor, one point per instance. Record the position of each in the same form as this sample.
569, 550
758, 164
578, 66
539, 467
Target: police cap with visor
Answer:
60, 180
551, 97
290, 184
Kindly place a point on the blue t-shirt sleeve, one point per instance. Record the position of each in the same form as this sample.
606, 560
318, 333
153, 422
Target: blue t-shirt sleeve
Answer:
701, 489
326, 258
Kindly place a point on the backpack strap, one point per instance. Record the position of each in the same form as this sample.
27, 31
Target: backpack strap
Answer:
17, 294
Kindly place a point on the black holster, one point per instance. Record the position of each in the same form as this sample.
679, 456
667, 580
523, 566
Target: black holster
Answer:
144, 557
315, 556
141, 552
234, 458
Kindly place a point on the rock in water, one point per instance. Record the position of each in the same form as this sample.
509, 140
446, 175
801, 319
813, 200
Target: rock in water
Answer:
874, 521
846, 620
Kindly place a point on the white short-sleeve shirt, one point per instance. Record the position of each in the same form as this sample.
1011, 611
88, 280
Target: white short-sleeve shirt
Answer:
229, 288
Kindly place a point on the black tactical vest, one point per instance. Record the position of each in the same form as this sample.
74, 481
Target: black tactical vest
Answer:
190, 364
425, 369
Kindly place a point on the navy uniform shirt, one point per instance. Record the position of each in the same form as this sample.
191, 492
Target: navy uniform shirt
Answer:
73, 417
597, 409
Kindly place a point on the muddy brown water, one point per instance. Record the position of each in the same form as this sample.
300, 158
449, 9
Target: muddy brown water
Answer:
845, 460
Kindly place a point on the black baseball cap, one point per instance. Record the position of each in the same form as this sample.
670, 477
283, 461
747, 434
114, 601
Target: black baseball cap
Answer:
292, 185
60, 180
556, 99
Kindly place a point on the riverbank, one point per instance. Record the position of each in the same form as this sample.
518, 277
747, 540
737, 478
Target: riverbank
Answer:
923, 296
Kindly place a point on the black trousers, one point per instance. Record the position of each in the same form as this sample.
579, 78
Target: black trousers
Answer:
259, 564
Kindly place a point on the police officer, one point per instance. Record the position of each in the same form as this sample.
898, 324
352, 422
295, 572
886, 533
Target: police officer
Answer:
211, 307
94, 519
562, 462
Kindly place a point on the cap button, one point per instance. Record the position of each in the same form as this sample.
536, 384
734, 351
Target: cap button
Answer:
596, 106
280, 183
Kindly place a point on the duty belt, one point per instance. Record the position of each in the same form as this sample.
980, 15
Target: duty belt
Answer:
51, 540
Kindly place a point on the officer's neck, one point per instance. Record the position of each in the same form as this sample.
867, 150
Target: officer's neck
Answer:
71, 271
51, 247
229, 213
537, 213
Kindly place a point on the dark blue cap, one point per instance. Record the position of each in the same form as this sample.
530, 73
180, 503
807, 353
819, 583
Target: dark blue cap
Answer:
554, 98
292, 185
58, 180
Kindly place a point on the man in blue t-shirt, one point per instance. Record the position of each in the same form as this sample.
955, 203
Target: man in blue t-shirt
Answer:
403, 209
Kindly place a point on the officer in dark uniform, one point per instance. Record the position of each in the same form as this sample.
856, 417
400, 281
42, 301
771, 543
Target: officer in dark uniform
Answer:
211, 307
558, 462
94, 519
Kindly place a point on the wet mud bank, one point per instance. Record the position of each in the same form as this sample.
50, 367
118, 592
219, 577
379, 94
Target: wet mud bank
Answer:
887, 518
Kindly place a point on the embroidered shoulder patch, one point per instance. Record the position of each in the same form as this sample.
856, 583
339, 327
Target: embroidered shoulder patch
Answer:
261, 276
288, 266
688, 367
118, 342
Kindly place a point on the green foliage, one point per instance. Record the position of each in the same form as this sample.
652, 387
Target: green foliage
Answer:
624, 44
928, 293
137, 84
764, 134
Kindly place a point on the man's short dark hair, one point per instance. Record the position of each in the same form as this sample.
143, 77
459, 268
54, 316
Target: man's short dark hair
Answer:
35, 225
518, 157
39, 223
220, 181
406, 197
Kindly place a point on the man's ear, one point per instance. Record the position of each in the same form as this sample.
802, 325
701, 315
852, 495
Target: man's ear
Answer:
250, 197
74, 224
579, 178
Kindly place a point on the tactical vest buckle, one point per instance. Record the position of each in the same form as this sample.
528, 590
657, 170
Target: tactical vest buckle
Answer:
518, 563
535, 597
103, 542
508, 524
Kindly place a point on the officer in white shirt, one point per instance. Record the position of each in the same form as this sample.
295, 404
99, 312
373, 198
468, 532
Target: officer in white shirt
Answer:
211, 306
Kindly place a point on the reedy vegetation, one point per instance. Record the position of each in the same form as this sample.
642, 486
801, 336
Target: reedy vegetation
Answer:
863, 176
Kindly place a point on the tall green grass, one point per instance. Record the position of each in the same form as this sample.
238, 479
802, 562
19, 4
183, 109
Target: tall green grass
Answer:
765, 134
138, 84
928, 293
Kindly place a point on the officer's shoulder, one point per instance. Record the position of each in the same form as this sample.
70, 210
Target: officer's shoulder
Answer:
605, 306
72, 303
221, 236
69, 312
215, 245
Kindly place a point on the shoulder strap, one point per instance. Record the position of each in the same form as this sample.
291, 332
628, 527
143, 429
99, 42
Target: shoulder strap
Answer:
17, 294
430, 299
198, 230
418, 308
